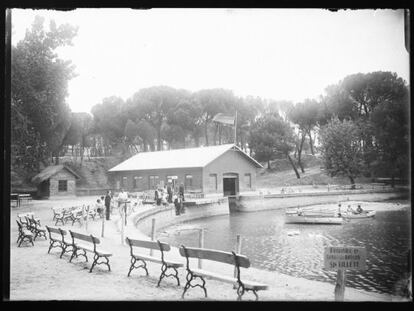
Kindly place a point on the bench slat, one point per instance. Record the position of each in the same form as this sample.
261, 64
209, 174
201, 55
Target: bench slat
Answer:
148, 244
84, 237
215, 255
158, 260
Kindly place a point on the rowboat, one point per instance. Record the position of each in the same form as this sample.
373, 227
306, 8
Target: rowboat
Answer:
364, 214
296, 219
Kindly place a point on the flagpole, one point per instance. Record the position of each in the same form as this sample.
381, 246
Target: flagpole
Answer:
235, 129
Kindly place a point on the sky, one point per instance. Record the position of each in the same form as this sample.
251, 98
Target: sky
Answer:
282, 54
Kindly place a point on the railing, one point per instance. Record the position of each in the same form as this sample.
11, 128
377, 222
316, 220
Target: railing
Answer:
94, 191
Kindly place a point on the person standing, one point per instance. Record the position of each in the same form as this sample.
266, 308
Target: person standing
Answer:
181, 192
108, 204
170, 194
122, 202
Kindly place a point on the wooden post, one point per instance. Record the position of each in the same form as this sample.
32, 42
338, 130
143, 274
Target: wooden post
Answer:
103, 225
340, 285
122, 226
200, 245
86, 208
152, 233
238, 251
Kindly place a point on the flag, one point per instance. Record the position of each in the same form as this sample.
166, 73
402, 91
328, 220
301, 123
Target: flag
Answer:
224, 119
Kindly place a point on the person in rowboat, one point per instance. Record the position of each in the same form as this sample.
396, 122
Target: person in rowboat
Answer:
359, 209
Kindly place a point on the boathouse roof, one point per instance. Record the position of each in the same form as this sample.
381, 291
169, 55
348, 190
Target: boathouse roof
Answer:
50, 171
179, 158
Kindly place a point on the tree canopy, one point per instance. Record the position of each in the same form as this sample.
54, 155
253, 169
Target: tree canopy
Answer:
39, 81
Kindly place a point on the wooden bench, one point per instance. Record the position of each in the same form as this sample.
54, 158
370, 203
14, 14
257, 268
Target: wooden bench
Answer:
237, 260
88, 243
35, 227
75, 215
23, 221
159, 246
14, 197
57, 239
24, 234
25, 197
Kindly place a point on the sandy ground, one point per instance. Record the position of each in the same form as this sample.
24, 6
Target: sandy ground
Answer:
36, 275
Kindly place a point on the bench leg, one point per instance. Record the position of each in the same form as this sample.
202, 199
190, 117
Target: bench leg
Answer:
64, 249
59, 220
241, 290
18, 238
29, 239
132, 267
95, 262
190, 276
164, 268
52, 245
75, 253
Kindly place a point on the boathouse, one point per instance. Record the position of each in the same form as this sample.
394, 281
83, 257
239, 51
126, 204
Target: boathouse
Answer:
225, 169
56, 180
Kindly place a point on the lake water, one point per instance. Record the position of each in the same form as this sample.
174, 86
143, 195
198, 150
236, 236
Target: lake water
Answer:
265, 241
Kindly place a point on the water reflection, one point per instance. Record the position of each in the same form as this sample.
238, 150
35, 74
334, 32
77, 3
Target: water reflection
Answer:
266, 242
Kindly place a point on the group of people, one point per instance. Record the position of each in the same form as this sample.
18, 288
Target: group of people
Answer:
103, 205
169, 195
164, 196
350, 210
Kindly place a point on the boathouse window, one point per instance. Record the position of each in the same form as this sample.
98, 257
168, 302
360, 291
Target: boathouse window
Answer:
153, 181
248, 180
136, 181
213, 181
188, 181
63, 185
124, 181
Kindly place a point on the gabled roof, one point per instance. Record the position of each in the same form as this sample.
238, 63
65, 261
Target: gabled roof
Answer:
50, 171
178, 158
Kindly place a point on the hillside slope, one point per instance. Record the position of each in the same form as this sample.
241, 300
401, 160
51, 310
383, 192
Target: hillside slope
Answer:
281, 174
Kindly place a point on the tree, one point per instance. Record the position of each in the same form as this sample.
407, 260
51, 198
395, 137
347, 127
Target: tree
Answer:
213, 101
147, 133
131, 133
341, 149
356, 98
39, 85
109, 120
306, 116
154, 104
391, 127
271, 136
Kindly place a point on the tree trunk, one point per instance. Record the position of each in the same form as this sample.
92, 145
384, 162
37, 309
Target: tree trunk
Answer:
205, 131
81, 155
197, 140
219, 130
311, 142
293, 166
392, 181
351, 178
268, 164
56, 158
159, 138
300, 153
215, 135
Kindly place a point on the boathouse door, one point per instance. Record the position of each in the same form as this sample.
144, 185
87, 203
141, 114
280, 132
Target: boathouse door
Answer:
230, 184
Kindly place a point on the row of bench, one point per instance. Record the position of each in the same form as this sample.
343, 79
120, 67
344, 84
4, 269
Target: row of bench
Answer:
29, 228
80, 244
72, 214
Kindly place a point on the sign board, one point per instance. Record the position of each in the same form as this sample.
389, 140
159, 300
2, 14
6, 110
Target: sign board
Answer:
347, 258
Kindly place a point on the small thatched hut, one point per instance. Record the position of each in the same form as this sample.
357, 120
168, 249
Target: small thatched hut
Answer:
56, 180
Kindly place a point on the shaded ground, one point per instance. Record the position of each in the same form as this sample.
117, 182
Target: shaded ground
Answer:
36, 275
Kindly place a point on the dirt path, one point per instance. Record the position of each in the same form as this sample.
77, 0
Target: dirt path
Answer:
36, 275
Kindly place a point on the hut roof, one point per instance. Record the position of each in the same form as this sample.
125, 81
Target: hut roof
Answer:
178, 158
50, 171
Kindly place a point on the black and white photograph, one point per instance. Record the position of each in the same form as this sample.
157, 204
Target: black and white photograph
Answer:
208, 154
